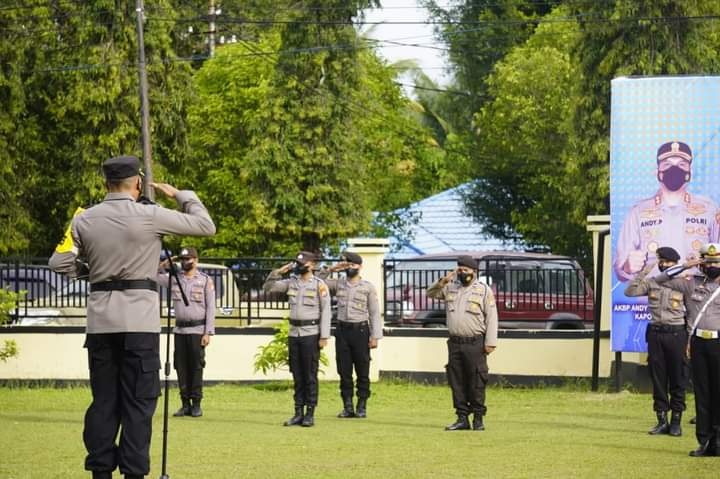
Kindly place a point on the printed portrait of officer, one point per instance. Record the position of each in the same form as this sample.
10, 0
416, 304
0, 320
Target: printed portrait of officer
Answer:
672, 217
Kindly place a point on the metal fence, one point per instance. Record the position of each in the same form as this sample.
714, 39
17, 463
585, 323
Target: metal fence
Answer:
529, 293
49, 296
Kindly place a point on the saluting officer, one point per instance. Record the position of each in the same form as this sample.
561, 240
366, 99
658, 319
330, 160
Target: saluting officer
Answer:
702, 299
472, 322
194, 324
120, 239
666, 338
310, 315
358, 331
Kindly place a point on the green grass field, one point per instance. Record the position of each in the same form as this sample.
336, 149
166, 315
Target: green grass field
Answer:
539, 432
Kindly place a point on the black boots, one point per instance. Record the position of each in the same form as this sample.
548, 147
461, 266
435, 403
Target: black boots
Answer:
703, 450
297, 419
196, 411
462, 423
662, 426
361, 408
675, 429
184, 410
477, 424
347, 409
309, 420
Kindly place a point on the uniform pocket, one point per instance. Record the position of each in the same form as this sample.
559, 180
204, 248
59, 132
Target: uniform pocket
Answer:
474, 305
197, 294
148, 379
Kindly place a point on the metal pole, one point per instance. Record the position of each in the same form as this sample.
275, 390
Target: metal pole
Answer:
600, 272
211, 32
148, 191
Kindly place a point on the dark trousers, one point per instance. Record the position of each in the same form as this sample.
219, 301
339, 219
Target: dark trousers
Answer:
304, 356
467, 373
352, 350
705, 356
189, 359
668, 366
125, 384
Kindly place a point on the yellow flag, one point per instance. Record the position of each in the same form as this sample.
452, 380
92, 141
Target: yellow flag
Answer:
68, 245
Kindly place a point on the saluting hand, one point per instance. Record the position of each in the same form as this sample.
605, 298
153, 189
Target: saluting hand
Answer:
449, 277
287, 267
166, 189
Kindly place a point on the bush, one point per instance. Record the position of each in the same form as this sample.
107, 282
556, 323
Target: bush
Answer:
274, 355
8, 300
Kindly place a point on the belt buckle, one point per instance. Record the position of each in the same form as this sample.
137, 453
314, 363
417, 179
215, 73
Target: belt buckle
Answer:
706, 334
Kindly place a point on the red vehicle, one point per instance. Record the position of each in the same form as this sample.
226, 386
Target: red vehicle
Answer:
532, 290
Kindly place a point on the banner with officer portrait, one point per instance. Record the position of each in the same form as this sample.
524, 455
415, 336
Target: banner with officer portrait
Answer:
664, 172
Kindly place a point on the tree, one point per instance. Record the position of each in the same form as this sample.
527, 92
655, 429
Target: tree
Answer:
69, 87
296, 144
662, 37
524, 143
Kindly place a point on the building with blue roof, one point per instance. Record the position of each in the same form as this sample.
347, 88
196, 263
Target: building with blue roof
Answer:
443, 225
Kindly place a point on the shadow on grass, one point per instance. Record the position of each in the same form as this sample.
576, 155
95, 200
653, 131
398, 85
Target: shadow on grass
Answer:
273, 386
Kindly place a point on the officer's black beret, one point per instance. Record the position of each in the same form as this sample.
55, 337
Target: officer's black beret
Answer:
667, 253
674, 148
188, 252
121, 167
467, 261
305, 256
351, 257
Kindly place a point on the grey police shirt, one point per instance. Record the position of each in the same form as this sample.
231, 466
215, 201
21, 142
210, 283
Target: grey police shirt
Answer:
309, 300
357, 302
121, 239
666, 305
696, 291
471, 310
200, 292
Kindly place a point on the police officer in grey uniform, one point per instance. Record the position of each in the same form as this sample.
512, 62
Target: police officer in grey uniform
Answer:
194, 324
310, 316
702, 299
472, 322
666, 338
120, 241
672, 217
358, 331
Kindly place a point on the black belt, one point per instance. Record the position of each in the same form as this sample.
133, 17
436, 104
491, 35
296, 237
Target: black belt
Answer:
666, 328
122, 284
466, 339
189, 324
304, 322
352, 324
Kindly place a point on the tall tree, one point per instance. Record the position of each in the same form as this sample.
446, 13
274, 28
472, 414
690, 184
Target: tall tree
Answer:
69, 90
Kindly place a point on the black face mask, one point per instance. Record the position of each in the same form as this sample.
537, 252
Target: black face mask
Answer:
186, 265
663, 267
712, 272
674, 178
465, 278
300, 269
351, 272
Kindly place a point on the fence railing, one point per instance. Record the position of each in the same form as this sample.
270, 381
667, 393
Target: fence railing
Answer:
528, 293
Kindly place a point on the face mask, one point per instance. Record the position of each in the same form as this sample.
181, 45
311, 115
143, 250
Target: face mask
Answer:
300, 269
662, 267
186, 265
674, 178
352, 272
712, 272
465, 278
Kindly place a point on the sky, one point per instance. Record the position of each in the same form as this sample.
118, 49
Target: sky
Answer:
430, 60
